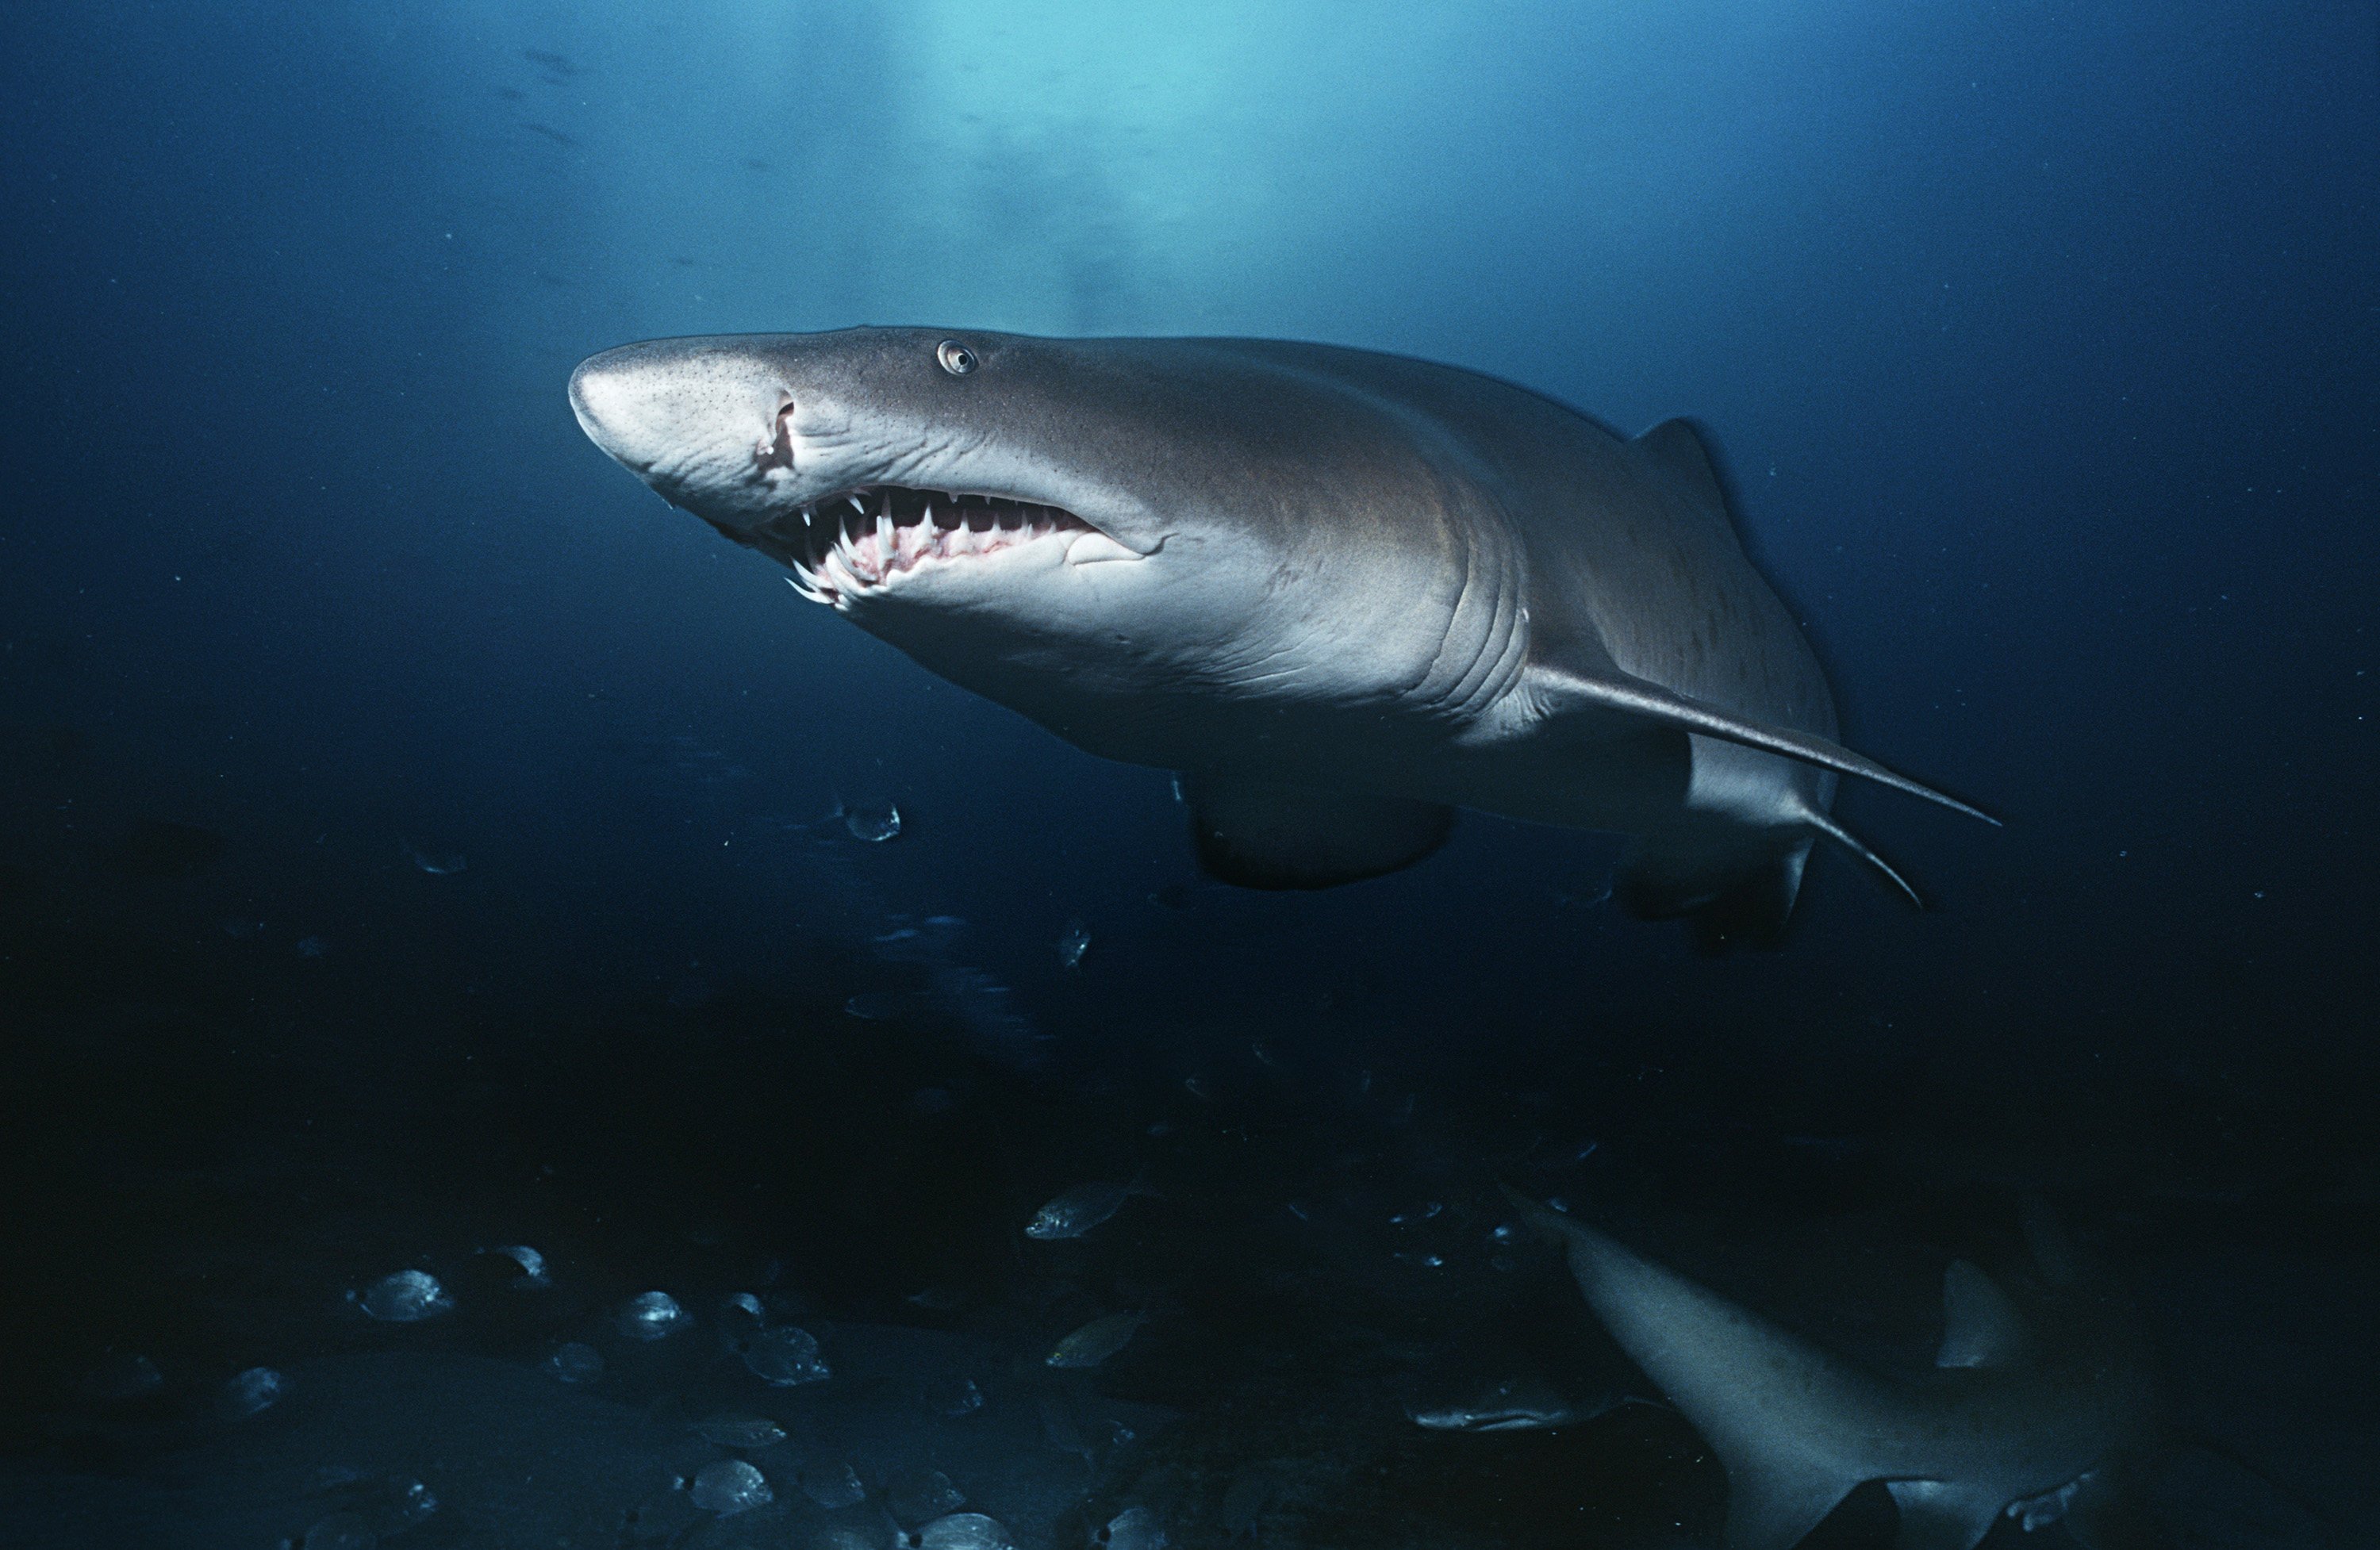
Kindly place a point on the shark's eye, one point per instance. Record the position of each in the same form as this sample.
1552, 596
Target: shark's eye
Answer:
957, 359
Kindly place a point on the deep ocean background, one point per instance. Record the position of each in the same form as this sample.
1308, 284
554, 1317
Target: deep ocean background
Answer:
2042, 342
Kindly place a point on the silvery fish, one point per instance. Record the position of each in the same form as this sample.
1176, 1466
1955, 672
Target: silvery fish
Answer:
1513, 1405
1097, 1340
741, 1431
1082, 1208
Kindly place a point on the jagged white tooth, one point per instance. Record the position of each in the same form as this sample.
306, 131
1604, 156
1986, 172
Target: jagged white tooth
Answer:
1090, 548
809, 592
858, 504
886, 544
806, 516
838, 573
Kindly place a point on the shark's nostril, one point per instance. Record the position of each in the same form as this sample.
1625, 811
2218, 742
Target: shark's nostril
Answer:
775, 449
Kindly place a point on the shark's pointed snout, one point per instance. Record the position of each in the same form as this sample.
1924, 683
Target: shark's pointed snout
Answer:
692, 418
615, 398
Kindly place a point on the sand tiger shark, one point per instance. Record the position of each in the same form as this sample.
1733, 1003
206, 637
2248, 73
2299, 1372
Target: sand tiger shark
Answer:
2042, 1407
1342, 593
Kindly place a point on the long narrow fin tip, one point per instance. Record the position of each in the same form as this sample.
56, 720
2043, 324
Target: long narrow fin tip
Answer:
1641, 698
1826, 825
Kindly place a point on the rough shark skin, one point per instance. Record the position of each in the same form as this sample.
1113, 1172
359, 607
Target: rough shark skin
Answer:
2042, 1407
1343, 593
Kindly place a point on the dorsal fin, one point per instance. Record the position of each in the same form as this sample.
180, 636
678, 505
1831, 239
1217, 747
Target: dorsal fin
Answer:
1675, 446
1980, 1326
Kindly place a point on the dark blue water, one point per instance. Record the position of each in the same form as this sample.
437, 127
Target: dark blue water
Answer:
2042, 345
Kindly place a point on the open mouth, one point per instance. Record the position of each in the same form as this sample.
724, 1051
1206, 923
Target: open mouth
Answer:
848, 543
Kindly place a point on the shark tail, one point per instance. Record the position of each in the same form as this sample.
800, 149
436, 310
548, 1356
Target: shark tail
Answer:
1779, 1487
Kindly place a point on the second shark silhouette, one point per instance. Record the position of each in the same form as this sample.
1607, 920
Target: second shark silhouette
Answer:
2039, 1408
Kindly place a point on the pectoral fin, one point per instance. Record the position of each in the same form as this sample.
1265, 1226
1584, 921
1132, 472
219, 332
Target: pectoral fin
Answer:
1559, 689
1265, 834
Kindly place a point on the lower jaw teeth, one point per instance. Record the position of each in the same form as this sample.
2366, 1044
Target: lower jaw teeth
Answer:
847, 567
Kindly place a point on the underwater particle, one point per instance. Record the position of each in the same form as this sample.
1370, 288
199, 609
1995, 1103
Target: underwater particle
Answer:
1135, 1528
1421, 1212
965, 1530
1073, 944
1097, 1340
954, 1394
249, 1393
341, 1531
921, 1495
574, 1362
938, 1300
833, 1485
312, 947
872, 825
1198, 1087
652, 1315
407, 1297
1082, 1208
731, 1487
842, 1536
531, 1262
785, 1357
122, 1378
747, 1432
438, 864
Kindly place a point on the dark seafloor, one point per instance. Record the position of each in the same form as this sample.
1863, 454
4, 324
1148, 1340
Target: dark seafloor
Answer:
417, 842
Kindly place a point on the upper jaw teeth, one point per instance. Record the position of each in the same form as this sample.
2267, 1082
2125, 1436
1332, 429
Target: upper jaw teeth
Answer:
855, 543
